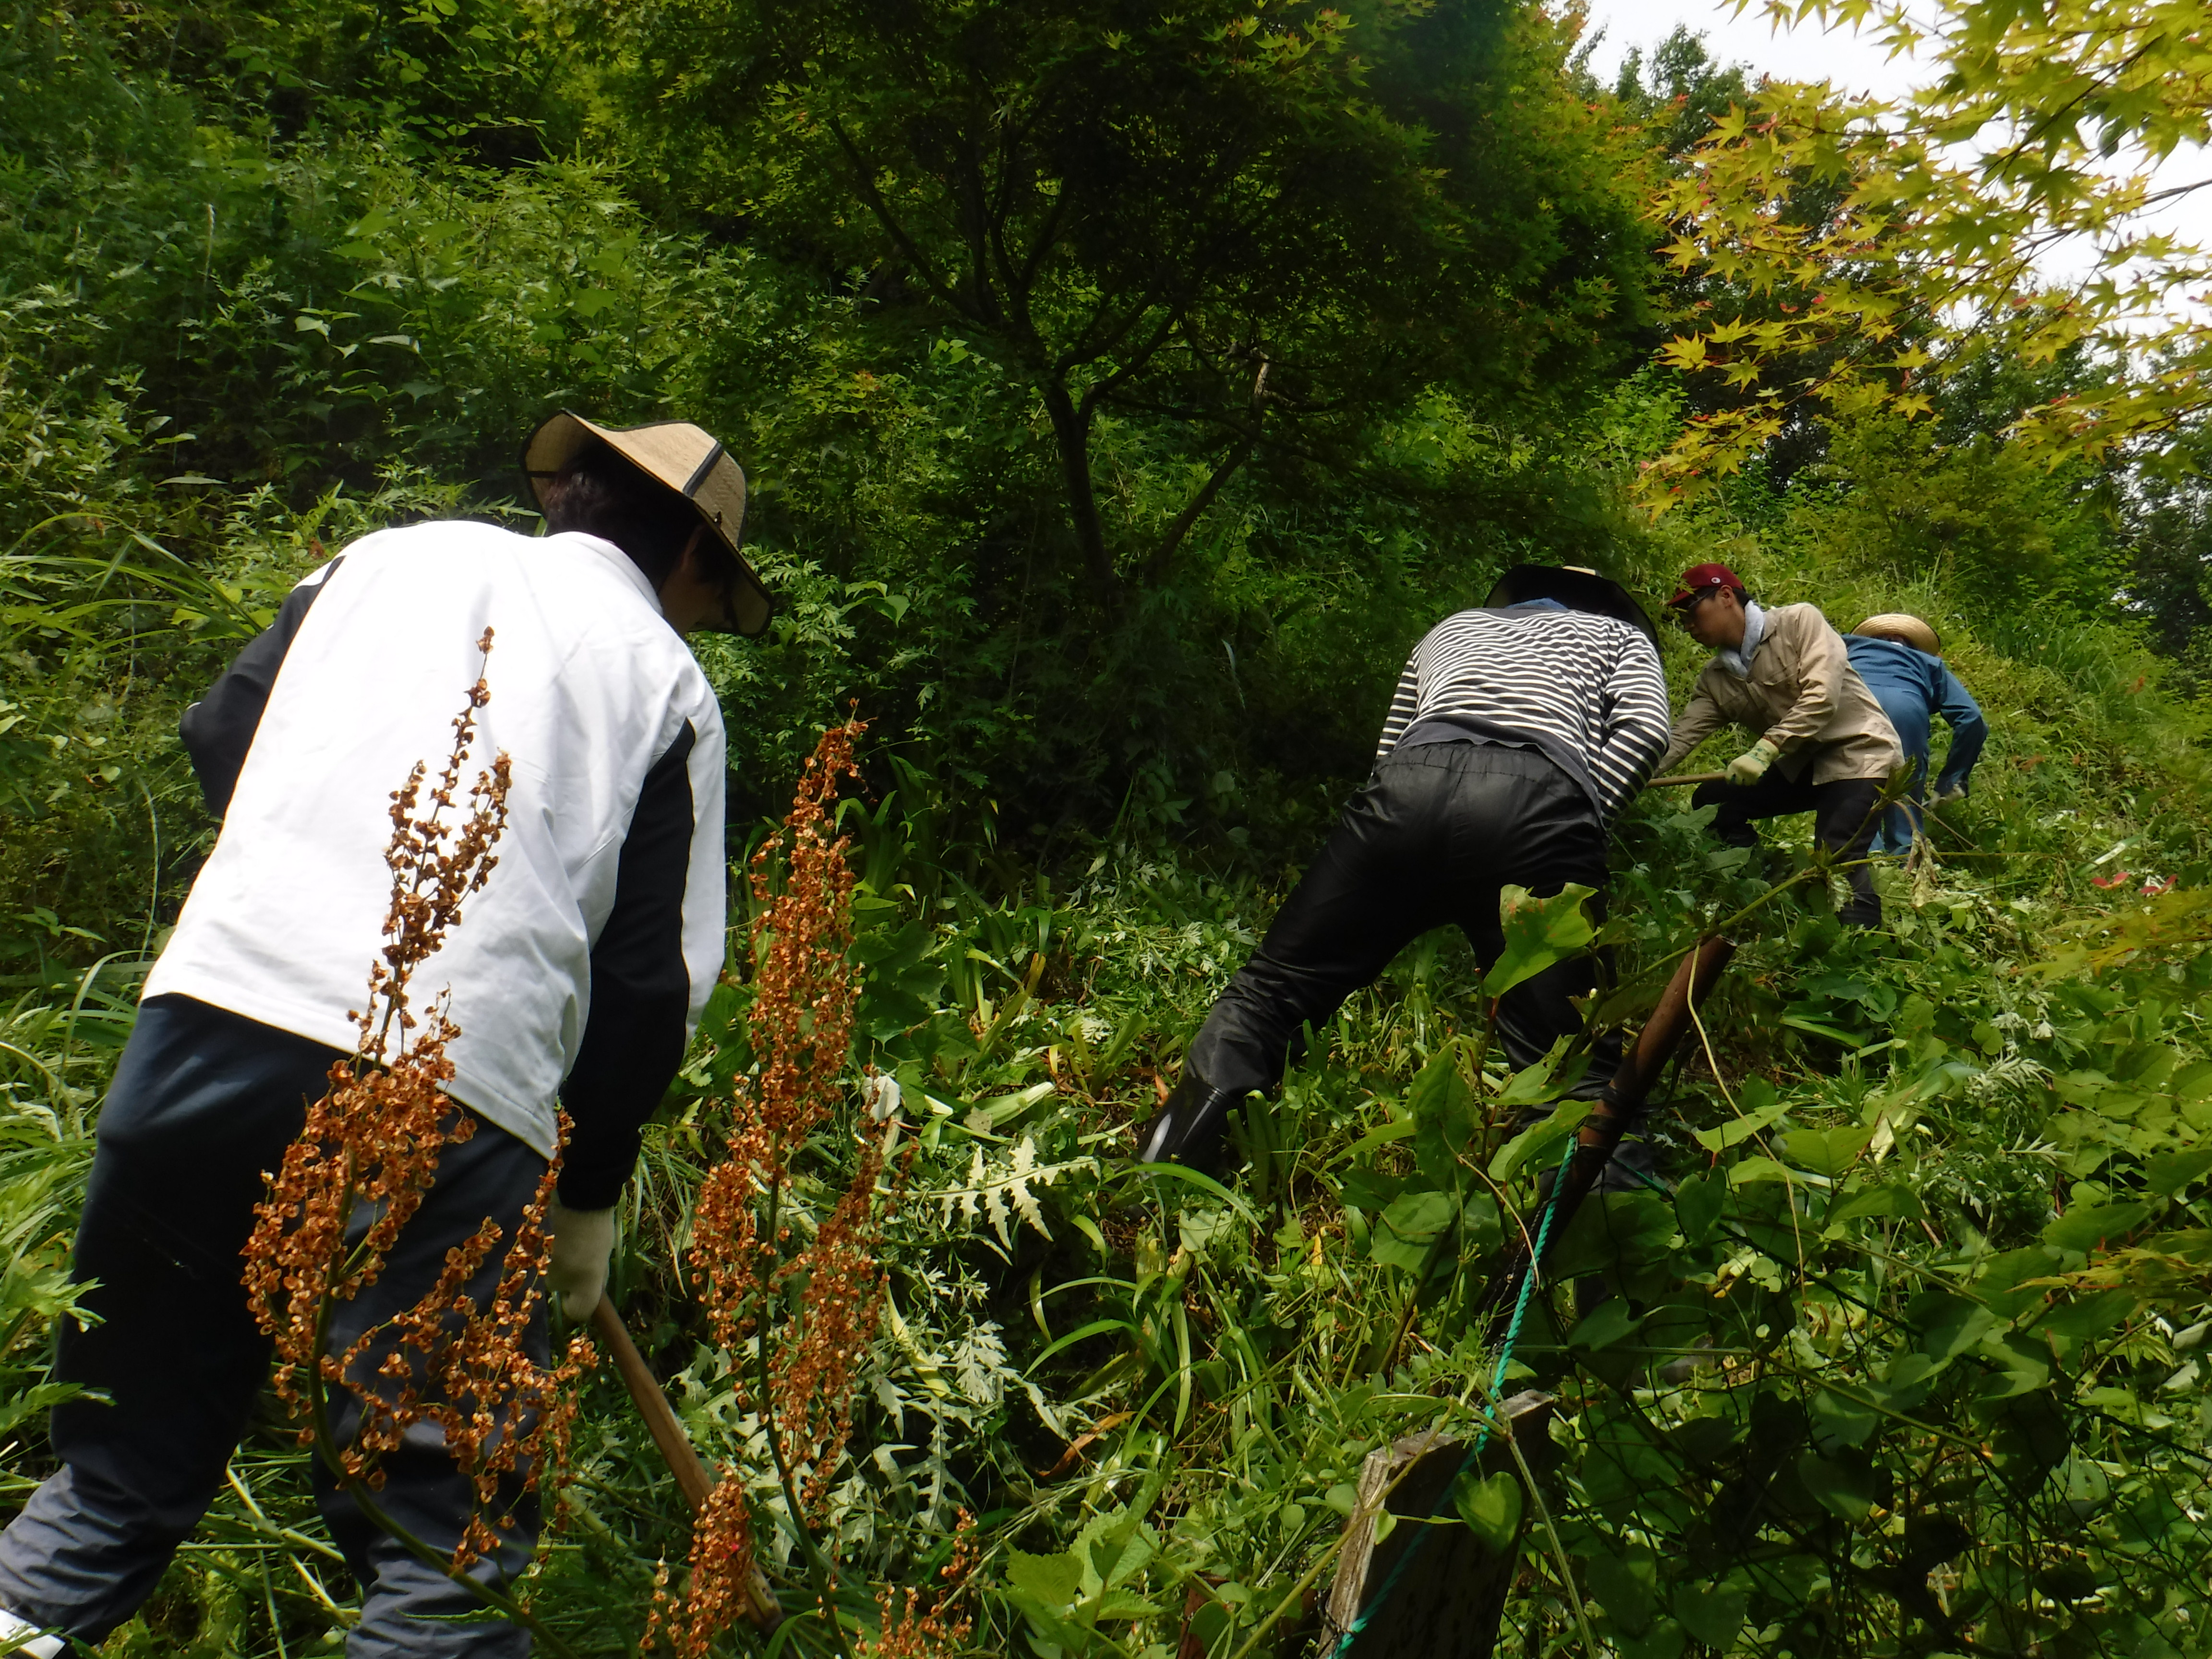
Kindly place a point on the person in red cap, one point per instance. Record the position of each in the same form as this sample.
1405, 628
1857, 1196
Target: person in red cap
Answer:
1824, 746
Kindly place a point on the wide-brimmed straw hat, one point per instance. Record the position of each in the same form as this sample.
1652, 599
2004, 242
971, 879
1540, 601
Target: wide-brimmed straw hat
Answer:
1897, 625
1574, 586
685, 458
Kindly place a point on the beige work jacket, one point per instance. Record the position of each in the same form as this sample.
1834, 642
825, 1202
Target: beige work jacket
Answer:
1803, 696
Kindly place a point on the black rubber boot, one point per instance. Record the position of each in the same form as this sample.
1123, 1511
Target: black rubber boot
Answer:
1191, 1128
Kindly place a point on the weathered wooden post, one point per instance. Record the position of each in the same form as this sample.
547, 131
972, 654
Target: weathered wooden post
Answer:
1448, 1601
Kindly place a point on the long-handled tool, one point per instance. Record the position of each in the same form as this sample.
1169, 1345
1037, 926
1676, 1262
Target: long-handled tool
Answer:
692, 1478
1681, 778
1602, 1131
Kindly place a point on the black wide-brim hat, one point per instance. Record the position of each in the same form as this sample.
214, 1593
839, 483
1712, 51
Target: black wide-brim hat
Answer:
1577, 588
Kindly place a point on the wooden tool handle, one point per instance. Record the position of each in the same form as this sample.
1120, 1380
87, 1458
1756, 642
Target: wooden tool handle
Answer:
1687, 777
1638, 1070
692, 1478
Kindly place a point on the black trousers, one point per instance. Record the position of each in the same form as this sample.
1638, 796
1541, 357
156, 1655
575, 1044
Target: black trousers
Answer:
1430, 841
203, 1101
1845, 817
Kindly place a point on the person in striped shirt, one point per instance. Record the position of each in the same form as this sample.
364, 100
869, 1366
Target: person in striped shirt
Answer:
1519, 731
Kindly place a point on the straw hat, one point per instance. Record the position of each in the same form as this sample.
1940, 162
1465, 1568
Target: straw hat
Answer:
685, 458
1911, 630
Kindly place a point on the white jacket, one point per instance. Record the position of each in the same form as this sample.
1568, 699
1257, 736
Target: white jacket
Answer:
601, 932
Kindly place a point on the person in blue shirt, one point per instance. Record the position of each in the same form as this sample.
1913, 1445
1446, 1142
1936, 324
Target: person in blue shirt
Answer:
1901, 660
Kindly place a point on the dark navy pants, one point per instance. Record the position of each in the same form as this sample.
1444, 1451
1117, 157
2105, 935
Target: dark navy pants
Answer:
1846, 814
204, 1101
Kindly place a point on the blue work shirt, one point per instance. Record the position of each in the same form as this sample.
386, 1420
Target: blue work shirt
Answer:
1912, 688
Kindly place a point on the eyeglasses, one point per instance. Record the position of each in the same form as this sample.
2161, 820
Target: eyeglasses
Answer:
1685, 609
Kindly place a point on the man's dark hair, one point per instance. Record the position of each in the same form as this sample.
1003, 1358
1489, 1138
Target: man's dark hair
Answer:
602, 494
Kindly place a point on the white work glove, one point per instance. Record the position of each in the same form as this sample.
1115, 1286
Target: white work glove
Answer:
582, 1241
1751, 766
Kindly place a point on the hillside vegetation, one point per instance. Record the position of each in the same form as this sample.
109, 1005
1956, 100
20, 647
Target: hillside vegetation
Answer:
1297, 333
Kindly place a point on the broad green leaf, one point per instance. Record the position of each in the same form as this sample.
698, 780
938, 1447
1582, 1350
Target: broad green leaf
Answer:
1538, 931
1624, 1593
1945, 1326
1539, 1142
2023, 1366
1605, 1325
1419, 1216
1893, 1200
1370, 1189
1409, 1227
1481, 1228
2005, 1284
2168, 1174
1490, 1508
1698, 1201
1737, 1130
1712, 1613
1838, 1488
1442, 1108
2087, 1318
901, 986
1826, 1151
1842, 1418
1613, 1232
1122, 1604
2085, 1227
1534, 1084
2192, 1082
1055, 1580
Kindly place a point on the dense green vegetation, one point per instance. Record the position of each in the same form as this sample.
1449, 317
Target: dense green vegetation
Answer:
1113, 471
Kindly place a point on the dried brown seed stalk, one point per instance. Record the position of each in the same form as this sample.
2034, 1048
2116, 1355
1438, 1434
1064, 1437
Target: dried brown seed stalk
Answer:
805, 990
368, 1153
906, 1630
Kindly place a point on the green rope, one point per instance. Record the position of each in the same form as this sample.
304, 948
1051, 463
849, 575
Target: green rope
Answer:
1482, 1436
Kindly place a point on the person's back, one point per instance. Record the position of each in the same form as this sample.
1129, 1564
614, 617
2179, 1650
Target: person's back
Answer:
1569, 683
1900, 658
586, 677
575, 973
1905, 681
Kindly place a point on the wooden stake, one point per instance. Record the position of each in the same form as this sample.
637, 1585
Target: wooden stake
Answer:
1449, 1601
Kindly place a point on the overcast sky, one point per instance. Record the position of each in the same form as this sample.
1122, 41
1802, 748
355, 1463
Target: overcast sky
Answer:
1800, 54
1839, 55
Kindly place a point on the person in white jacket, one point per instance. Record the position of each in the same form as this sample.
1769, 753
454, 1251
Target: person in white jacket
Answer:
576, 976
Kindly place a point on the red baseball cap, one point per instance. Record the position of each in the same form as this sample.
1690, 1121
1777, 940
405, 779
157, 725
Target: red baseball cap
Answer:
1701, 579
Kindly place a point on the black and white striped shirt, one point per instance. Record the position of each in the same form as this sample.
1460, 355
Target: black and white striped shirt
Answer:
1583, 689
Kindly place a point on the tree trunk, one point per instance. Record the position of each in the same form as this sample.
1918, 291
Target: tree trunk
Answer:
1163, 555
1072, 433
